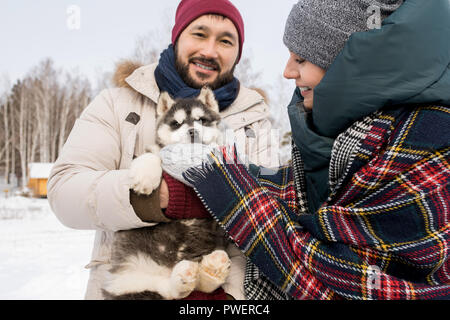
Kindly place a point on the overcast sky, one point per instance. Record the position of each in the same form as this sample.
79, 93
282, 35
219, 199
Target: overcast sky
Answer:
31, 30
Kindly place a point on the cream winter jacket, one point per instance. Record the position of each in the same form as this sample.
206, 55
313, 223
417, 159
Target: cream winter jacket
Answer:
89, 187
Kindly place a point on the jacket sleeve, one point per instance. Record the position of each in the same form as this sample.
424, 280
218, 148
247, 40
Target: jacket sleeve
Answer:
86, 188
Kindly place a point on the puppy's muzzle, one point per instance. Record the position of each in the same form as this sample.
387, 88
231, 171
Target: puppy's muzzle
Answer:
194, 135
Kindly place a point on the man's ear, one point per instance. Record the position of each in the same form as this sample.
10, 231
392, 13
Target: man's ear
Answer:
207, 97
165, 102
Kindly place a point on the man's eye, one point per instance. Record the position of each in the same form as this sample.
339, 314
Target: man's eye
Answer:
299, 61
227, 42
200, 35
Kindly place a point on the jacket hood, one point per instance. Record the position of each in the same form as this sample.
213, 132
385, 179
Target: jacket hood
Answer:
124, 69
407, 61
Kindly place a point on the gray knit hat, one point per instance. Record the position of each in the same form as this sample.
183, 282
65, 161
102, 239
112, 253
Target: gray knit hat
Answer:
317, 30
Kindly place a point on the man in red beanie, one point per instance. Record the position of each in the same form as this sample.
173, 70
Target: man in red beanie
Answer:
207, 41
89, 187
189, 10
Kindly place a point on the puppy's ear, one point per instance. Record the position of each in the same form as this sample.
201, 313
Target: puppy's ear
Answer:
207, 97
165, 102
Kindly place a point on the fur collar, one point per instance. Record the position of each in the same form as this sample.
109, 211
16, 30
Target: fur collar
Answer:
124, 69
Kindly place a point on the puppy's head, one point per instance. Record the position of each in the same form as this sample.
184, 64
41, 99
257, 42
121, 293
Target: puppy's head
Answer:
192, 120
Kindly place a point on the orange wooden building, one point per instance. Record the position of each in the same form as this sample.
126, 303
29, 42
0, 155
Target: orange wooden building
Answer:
38, 174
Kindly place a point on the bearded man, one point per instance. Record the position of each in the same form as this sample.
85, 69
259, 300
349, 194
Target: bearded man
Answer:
89, 186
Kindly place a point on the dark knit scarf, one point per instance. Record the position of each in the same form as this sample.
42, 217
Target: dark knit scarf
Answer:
315, 151
169, 80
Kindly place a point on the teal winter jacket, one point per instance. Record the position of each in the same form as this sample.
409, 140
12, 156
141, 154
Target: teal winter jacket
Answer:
403, 64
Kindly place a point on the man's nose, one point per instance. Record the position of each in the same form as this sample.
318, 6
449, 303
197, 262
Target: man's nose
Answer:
209, 49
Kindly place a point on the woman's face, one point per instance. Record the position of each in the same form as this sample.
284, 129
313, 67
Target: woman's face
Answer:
306, 75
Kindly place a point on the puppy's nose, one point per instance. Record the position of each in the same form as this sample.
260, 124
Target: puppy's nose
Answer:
194, 135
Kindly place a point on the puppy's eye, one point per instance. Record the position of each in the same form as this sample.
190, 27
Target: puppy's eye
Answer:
203, 120
175, 125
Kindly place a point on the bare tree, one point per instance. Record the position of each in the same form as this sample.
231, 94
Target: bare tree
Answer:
247, 74
149, 46
5, 150
44, 91
280, 96
21, 114
74, 97
6, 139
37, 116
22, 136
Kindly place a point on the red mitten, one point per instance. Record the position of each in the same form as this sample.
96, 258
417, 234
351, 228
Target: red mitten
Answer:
183, 201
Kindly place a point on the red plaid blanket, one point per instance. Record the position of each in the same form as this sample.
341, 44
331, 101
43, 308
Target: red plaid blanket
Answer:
383, 233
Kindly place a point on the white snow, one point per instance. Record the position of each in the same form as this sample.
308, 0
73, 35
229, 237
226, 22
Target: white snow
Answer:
39, 257
39, 170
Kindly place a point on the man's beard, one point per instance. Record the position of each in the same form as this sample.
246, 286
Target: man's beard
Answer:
183, 71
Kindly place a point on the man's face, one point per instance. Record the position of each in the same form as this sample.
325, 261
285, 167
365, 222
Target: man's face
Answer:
206, 52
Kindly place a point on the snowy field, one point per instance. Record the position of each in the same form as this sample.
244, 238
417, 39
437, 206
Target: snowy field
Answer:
39, 257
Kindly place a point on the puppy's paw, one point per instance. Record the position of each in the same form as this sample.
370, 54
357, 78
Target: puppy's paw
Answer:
145, 173
214, 270
154, 148
184, 278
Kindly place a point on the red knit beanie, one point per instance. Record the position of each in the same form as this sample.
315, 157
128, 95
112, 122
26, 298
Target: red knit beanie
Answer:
189, 10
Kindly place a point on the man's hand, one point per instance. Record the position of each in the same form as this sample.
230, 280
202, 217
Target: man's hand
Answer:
164, 195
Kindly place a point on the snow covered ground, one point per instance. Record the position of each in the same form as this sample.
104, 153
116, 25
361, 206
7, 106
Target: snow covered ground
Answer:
39, 257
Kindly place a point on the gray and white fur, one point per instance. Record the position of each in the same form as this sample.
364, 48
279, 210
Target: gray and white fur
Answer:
170, 260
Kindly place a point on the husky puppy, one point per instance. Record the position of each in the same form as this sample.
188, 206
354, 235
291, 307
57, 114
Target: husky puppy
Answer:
170, 260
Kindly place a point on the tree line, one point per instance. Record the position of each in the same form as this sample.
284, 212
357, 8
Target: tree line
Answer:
37, 115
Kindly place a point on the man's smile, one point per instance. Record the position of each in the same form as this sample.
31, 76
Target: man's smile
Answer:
208, 67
